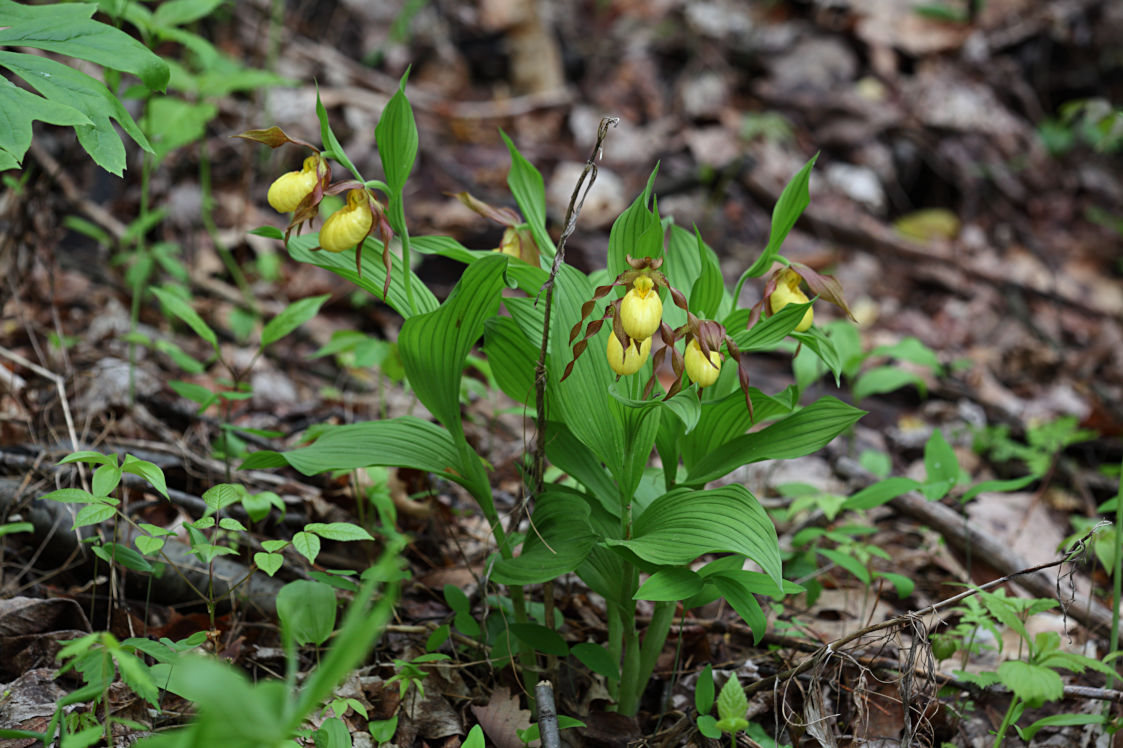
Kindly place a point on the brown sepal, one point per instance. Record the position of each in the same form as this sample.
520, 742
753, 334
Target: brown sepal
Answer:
826, 287
580, 346
274, 137
501, 215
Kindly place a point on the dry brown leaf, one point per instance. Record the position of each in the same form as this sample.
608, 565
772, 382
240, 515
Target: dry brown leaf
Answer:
500, 717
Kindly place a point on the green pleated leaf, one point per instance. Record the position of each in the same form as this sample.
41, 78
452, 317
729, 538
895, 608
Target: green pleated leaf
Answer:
434, 346
768, 332
374, 273
670, 585
798, 435
708, 291
793, 200
636, 232
529, 191
559, 541
512, 357
742, 601
683, 524
572, 457
292, 317
726, 418
406, 441
396, 136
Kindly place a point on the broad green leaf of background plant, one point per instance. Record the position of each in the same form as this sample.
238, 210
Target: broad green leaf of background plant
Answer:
17, 110
800, 434
292, 317
793, 201
179, 308
182, 12
307, 611
597, 659
1034, 684
882, 379
75, 34
175, 123
684, 524
732, 706
60, 83
942, 466
529, 191
742, 601
374, 273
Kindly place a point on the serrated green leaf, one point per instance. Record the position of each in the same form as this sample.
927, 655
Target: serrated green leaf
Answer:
1034, 684
231, 524
18, 108
136, 676
731, 702
292, 317
222, 495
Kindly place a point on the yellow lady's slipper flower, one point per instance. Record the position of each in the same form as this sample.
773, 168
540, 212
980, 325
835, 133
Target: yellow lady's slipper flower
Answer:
349, 225
702, 372
787, 292
289, 189
641, 311
629, 362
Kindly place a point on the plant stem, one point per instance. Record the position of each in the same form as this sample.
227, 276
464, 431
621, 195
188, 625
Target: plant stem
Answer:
398, 206
1007, 719
1116, 573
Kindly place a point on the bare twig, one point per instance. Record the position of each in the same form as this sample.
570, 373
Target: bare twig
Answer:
547, 715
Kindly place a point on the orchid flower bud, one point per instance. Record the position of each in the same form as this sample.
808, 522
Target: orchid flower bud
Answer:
701, 371
641, 311
349, 225
787, 292
627, 362
289, 189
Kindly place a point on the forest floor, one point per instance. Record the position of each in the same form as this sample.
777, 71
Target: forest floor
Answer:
977, 232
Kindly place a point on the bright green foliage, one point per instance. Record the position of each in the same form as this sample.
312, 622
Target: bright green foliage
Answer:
732, 706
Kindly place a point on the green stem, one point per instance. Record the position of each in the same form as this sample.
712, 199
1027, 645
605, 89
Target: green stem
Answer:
655, 638
398, 206
1117, 572
1007, 720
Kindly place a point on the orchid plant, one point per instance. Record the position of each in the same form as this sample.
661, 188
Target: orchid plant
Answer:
672, 532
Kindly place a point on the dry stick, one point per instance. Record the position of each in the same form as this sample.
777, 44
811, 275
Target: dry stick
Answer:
538, 466
825, 651
547, 715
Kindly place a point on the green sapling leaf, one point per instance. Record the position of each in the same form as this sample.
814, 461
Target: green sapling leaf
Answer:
732, 706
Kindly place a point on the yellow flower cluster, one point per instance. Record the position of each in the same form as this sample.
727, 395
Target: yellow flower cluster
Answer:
641, 312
